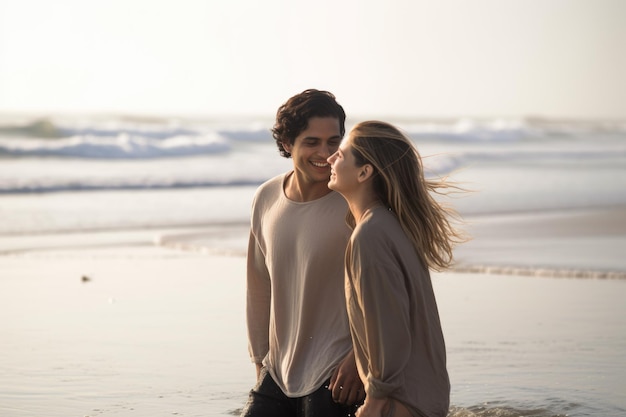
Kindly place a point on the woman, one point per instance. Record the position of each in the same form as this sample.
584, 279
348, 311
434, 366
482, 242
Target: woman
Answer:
399, 232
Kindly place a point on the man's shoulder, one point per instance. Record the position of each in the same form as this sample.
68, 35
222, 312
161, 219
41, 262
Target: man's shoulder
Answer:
271, 186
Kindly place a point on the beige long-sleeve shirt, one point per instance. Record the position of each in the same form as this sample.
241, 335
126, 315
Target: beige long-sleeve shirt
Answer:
398, 340
296, 309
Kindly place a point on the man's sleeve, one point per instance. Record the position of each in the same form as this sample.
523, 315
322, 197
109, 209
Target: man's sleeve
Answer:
258, 300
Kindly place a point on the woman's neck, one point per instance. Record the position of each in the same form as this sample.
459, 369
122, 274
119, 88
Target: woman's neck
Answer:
360, 205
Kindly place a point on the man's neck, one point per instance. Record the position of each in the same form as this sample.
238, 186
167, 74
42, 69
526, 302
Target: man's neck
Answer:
298, 190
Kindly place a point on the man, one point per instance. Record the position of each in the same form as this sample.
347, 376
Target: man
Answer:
298, 330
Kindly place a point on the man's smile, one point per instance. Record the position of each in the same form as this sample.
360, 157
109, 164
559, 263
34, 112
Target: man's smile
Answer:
320, 164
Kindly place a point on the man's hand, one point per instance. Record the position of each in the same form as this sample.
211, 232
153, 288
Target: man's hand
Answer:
345, 384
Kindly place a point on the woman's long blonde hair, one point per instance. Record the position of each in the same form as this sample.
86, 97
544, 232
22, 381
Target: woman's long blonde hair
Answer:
400, 184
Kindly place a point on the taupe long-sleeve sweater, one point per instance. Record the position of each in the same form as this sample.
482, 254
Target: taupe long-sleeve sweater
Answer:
296, 307
399, 345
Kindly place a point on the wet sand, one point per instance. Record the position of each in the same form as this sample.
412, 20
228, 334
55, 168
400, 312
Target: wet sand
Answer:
112, 324
582, 243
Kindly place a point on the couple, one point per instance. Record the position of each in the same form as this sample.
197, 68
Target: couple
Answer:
331, 329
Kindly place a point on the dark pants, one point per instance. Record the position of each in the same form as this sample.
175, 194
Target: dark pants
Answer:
268, 400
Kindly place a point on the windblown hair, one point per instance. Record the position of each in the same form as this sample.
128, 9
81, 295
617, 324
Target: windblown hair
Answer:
400, 184
293, 117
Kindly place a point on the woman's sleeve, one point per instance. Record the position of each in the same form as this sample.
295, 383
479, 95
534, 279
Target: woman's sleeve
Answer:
382, 294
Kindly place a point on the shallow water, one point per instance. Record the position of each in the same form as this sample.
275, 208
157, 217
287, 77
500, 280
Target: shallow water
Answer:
536, 343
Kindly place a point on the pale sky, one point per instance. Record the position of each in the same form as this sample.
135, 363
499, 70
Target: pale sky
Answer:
439, 58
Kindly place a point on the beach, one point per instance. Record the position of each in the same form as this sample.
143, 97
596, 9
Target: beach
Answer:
126, 322
122, 278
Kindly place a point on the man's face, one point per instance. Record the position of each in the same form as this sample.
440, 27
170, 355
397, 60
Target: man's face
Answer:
312, 147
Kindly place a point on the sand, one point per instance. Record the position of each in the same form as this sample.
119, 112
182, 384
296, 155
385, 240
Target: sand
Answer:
151, 332
110, 324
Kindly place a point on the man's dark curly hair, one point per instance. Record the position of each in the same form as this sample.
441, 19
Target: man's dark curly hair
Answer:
293, 116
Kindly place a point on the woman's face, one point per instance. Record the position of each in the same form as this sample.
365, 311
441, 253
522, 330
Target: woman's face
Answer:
343, 170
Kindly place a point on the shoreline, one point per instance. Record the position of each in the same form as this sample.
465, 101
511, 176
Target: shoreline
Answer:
584, 243
539, 272
577, 243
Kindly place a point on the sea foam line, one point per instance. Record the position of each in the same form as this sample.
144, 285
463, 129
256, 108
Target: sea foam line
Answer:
229, 242
538, 272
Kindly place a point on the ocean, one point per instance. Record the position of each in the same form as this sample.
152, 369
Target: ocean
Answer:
73, 174
544, 207
511, 165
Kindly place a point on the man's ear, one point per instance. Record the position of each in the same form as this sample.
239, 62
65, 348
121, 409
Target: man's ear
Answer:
287, 146
365, 172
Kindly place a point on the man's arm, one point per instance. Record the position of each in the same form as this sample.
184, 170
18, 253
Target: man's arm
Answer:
258, 297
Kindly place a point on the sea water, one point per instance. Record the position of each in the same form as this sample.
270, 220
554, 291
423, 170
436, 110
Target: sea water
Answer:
193, 181
75, 174
515, 165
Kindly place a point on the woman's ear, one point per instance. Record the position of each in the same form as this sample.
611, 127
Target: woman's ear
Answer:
365, 172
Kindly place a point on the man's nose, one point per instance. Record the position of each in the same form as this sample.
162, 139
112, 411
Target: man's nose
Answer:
327, 151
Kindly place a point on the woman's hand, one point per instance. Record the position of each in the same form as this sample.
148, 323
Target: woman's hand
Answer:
383, 407
375, 407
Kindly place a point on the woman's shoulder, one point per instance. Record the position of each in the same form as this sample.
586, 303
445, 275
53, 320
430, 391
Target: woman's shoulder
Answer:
378, 218
377, 225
